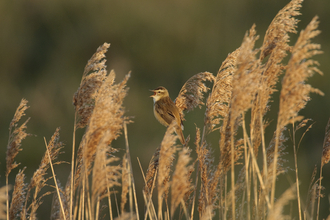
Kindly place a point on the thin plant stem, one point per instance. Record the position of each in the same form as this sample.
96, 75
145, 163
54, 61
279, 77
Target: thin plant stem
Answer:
132, 182
72, 163
232, 173
272, 196
319, 194
54, 177
247, 159
296, 169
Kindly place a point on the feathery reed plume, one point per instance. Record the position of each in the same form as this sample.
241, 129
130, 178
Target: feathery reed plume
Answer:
3, 199
246, 77
16, 135
191, 93
151, 172
105, 174
276, 44
217, 103
276, 212
277, 32
38, 180
180, 183
18, 196
244, 87
108, 114
125, 183
295, 92
93, 77
206, 169
166, 157
104, 126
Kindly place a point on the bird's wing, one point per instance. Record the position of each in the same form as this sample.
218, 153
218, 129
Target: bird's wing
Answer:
166, 115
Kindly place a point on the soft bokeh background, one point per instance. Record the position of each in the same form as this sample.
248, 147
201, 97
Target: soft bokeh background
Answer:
44, 46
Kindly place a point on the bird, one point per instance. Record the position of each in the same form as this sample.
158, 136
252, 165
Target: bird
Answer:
166, 111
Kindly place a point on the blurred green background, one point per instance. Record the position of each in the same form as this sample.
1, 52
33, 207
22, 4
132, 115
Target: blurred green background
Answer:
44, 46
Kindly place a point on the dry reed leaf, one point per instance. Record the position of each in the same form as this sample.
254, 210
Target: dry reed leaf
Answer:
191, 93
93, 77
18, 196
277, 32
16, 135
180, 184
295, 92
326, 146
166, 157
217, 103
276, 212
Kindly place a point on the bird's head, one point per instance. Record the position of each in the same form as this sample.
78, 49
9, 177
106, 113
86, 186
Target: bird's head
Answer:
159, 93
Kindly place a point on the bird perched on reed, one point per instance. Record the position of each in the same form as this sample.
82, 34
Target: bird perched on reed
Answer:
166, 111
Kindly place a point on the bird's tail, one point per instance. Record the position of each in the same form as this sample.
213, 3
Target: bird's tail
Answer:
178, 131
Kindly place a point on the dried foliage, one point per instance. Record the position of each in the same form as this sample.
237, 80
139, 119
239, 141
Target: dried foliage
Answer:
245, 84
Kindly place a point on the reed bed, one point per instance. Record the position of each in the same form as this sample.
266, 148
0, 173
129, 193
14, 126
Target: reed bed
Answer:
241, 183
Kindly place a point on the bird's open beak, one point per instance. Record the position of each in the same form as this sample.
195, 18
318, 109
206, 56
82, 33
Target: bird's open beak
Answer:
153, 92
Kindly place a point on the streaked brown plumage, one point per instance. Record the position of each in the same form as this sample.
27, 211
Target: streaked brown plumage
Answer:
166, 111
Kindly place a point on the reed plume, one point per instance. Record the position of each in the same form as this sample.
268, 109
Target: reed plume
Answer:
295, 92
38, 180
181, 184
18, 196
217, 104
16, 135
166, 157
191, 94
93, 77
